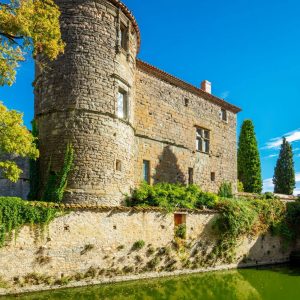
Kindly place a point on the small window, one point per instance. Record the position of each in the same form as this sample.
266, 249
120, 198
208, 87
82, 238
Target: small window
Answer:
124, 37
146, 171
118, 165
213, 176
191, 176
224, 115
186, 102
203, 140
122, 105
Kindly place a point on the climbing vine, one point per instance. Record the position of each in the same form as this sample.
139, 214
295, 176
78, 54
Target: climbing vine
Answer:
240, 217
57, 182
15, 213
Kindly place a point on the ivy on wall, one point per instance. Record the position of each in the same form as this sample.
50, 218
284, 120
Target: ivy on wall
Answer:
15, 213
57, 181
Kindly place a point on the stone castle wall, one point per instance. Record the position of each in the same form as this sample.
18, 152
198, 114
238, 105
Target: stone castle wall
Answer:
76, 102
166, 135
98, 246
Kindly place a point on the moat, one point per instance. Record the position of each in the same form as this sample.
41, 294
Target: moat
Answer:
270, 283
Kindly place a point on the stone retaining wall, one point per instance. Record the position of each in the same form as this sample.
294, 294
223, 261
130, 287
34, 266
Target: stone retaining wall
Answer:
94, 246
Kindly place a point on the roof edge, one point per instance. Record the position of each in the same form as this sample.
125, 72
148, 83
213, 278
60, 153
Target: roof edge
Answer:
186, 86
131, 17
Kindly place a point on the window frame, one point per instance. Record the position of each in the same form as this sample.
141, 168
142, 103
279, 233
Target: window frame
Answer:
203, 138
148, 179
191, 176
124, 36
124, 115
224, 115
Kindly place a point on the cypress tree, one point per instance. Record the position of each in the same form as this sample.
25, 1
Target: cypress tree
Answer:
284, 175
249, 166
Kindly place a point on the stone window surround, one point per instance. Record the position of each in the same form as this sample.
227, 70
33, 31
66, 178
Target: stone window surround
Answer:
224, 115
125, 89
146, 177
203, 139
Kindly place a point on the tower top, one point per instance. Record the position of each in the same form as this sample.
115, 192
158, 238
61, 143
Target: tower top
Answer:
131, 17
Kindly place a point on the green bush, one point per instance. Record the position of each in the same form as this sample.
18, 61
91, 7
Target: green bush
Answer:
240, 187
207, 199
225, 190
171, 196
138, 245
15, 212
180, 231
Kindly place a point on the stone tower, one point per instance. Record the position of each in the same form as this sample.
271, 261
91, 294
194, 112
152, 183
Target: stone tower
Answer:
86, 98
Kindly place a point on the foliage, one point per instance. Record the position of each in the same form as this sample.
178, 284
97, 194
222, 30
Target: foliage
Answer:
171, 196
225, 190
284, 176
57, 182
180, 231
240, 217
14, 139
34, 168
27, 25
138, 245
249, 166
240, 187
268, 196
15, 212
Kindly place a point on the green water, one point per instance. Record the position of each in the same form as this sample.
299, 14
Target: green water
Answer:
252, 284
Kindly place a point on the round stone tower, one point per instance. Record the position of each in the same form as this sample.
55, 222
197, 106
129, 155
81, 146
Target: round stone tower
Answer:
86, 98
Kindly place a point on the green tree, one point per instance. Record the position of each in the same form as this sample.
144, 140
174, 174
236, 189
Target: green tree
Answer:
284, 175
26, 26
249, 166
16, 139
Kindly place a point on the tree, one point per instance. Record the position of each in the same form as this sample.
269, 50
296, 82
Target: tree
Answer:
284, 175
14, 138
25, 26
249, 166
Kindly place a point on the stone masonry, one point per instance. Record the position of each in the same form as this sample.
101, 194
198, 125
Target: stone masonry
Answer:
97, 246
76, 101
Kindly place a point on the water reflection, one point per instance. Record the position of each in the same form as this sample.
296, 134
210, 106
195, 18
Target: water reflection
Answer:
263, 284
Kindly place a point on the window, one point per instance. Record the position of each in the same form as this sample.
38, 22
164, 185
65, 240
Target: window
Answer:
122, 104
146, 171
191, 176
202, 140
224, 115
118, 165
186, 102
124, 37
213, 176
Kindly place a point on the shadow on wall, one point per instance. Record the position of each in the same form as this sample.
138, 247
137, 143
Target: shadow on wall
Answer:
168, 170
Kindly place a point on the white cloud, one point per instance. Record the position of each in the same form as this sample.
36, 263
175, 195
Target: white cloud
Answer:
268, 185
271, 156
291, 137
224, 95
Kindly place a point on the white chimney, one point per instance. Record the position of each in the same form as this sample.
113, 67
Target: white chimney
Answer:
206, 86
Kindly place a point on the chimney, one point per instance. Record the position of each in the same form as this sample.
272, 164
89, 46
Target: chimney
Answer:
206, 86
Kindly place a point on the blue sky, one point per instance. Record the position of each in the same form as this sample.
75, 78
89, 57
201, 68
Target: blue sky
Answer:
249, 50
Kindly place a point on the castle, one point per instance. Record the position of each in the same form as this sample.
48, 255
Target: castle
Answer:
127, 120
